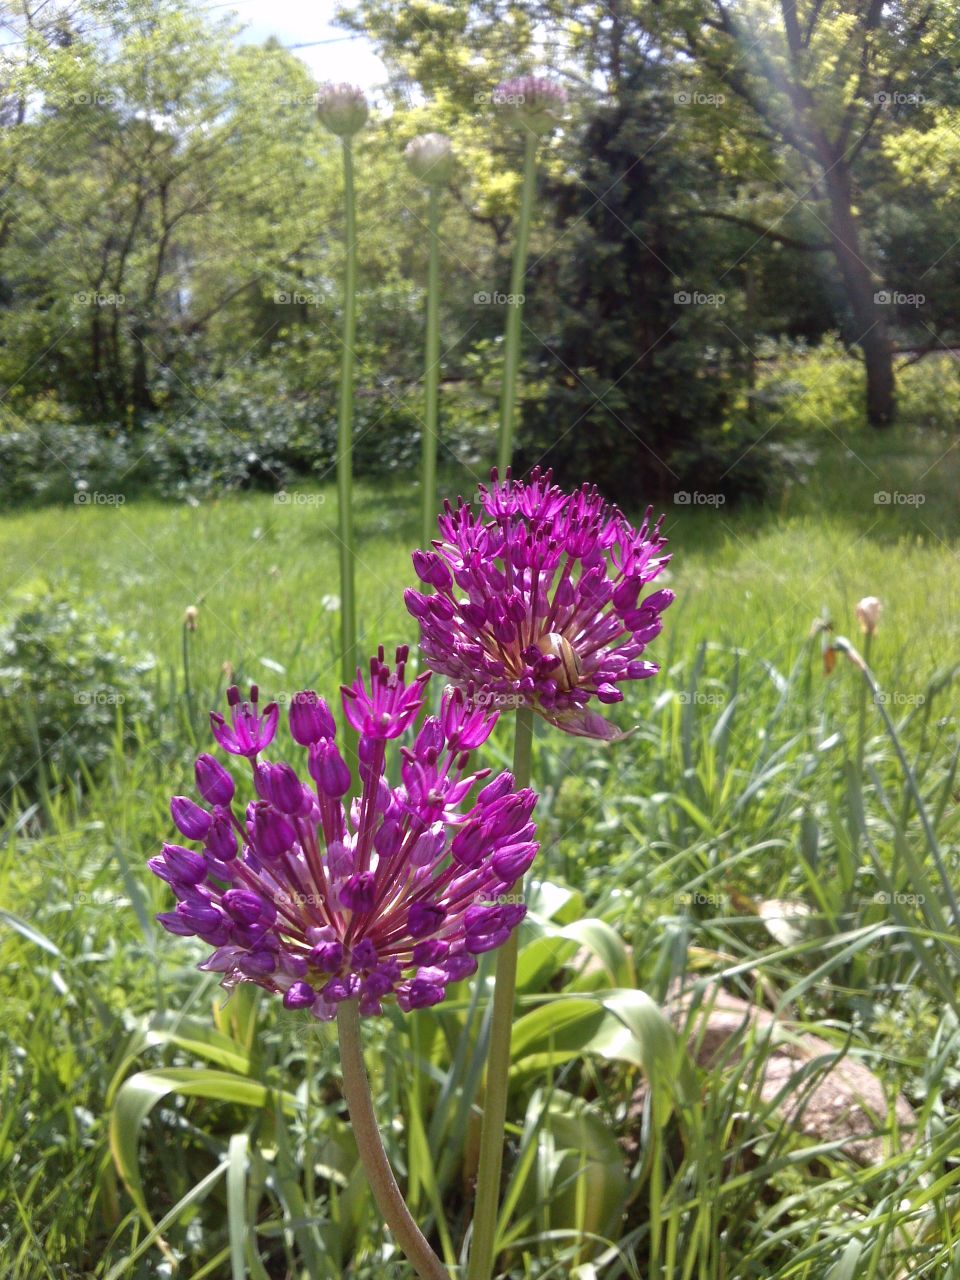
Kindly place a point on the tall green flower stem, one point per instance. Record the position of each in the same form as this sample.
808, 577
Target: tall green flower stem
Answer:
348, 615
483, 1244
431, 375
862, 718
383, 1184
511, 346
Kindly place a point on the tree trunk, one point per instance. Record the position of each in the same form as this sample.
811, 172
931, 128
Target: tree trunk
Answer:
868, 314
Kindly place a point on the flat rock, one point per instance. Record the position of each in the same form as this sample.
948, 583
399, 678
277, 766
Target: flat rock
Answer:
840, 1098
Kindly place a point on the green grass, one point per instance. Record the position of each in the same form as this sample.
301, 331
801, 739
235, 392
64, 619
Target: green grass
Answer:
740, 785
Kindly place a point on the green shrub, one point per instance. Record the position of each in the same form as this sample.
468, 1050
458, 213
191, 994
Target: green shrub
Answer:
76, 683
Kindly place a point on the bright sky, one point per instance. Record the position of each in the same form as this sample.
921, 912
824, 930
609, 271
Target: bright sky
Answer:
341, 56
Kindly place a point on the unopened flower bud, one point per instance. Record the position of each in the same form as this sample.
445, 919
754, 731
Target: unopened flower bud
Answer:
213, 781
190, 616
431, 159
868, 614
342, 109
532, 102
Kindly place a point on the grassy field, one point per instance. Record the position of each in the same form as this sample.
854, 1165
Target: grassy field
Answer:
741, 786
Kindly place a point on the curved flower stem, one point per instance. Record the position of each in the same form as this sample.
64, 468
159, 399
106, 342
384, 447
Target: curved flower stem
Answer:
348, 619
483, 1244
431, 376
383, 1184
511, 345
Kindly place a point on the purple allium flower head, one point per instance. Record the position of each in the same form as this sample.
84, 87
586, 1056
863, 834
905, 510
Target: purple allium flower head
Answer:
534, 102
536, 601
391, 898
250, 731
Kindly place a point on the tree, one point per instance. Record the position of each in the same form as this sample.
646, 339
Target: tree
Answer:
814, 85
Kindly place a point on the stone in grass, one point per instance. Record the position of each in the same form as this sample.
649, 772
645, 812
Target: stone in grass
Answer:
823, 1093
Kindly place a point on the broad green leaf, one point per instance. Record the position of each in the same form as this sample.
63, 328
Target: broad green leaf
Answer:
607, 945
137, 1097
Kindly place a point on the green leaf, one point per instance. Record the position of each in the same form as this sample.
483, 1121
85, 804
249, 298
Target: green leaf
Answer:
137, 1097
607, 945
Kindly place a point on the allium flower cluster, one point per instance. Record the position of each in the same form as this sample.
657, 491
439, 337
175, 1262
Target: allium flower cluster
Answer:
536, 600
431, 159
342, 108
395, 898
533, 102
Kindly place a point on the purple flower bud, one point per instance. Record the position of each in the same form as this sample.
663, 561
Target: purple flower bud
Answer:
426, 989
358, 892
428, 845
430, 569
470, 844
190, 819
513, 861
328, 956
501, 786
338, 989
245, 907
186, 866
364, 955
430, 951
221, 841
423, 918
279, 784
310, 719
459, 966
173, 922
213, 781
388, 839
273, 834
299, 996
200, 918
328, 770
257, 964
